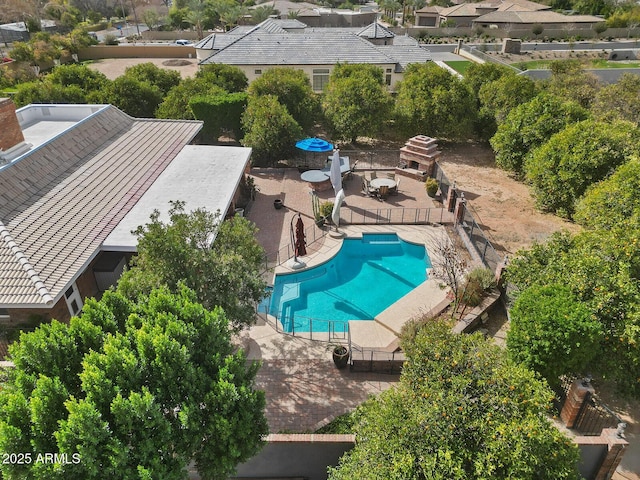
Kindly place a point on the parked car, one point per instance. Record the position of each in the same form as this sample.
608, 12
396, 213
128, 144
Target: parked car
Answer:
183, 42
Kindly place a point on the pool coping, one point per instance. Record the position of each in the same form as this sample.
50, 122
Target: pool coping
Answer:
383, 332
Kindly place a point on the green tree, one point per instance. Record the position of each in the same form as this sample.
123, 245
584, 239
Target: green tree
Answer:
356, 101
80, 75
228, 77
147, 72
619, 101
137, 389
614, 201
432, 101
499, 97
47, 92
462, 410
138, 99
293, 90
582, 154
602, 268
530, 125
176, 102
221, 261
570, 81
553, 333
269, 129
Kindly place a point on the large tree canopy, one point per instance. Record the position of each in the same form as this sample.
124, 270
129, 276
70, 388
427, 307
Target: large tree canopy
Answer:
269, 129
356, 102
613, 202
433, 102
602, 269
619, 101
553, 332
462, 410
576, 157
132, 390
529, 125
292, 89
221, 261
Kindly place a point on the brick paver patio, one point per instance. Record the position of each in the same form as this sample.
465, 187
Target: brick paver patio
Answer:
303, 388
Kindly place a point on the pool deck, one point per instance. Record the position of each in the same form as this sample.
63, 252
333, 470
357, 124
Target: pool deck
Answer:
303, 388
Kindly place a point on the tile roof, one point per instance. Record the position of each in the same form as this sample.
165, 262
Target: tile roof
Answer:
375, 30
259, 48
61, 200
406, 54
542, 16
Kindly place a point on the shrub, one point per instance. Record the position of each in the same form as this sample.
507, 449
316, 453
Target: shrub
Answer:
431, 186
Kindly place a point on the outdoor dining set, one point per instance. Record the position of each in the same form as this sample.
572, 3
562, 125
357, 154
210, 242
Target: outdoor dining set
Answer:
380, 187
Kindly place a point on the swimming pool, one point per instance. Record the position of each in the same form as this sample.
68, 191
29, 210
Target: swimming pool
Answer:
366, 276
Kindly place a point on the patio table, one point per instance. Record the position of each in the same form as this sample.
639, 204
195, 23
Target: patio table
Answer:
379, 182
318, 179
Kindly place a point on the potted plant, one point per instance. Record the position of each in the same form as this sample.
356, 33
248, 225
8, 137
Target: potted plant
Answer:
251, 186
340, 355
277, 203
323, 213
431, 186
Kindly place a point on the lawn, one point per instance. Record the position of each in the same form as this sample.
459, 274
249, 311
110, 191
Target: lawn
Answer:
459, 66
588, 64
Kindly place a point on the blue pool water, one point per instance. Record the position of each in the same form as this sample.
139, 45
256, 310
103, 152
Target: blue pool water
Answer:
363, 279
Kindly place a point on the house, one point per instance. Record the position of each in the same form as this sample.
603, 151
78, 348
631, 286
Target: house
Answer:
509, 20
76, 179
503, 14
315, 51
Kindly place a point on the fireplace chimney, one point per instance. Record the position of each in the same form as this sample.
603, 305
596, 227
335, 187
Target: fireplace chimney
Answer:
12, 142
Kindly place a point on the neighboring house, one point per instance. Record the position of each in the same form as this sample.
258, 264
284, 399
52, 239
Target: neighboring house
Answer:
76, 179
463, 14
510, 20
315, 51
504, 14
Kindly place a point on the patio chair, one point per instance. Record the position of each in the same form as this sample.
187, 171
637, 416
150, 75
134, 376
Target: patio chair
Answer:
383, 191
365, 187
373, 176
391, 175
394, 190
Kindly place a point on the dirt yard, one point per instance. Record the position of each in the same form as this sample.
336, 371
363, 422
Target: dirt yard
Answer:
114, 67
502, 206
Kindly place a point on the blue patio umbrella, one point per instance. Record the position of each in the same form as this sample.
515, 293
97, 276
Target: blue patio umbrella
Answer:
314, 144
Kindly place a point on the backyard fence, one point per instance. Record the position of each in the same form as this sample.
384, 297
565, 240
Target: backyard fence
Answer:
366, 159
397, 216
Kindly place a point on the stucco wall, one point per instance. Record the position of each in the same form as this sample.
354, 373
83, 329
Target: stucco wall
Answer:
97, 52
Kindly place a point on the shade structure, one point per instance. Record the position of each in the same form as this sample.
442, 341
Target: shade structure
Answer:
314, 144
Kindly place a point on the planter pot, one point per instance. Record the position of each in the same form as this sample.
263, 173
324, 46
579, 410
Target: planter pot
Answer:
277, 203
340, 357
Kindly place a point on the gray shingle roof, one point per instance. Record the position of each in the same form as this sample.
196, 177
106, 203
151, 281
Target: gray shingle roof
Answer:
375, 30
60, 201
406, 54
259, 48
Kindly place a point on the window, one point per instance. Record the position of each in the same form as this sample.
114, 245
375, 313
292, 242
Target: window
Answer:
320, 78
257, 72
4, 315
388, 79
72, 297
388, 70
